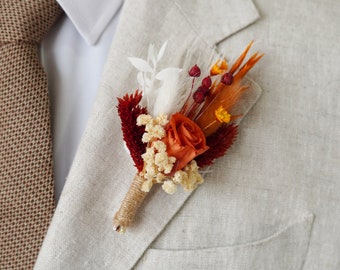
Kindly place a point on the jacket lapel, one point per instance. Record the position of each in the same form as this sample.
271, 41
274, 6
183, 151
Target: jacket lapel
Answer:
81, 235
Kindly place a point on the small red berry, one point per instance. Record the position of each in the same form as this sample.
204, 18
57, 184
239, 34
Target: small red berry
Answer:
227, 78
195, 71
203, 89
206, 82
199, 96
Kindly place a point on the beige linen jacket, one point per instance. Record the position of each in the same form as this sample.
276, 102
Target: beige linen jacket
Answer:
272, 203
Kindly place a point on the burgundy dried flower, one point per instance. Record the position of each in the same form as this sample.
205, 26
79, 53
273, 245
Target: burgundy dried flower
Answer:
218, 144
199, 95
204, 89
195, 71
128, 111
227, 78
206, 82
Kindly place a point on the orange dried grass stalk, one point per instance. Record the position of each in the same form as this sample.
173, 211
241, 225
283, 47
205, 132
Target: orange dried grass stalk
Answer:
227, 98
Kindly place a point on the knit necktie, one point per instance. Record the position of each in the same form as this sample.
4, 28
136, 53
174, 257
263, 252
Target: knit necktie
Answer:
26, 175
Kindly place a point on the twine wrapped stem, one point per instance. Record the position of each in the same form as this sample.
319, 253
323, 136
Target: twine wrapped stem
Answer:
131, 203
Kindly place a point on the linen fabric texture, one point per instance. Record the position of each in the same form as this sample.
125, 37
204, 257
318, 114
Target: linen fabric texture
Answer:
271, 202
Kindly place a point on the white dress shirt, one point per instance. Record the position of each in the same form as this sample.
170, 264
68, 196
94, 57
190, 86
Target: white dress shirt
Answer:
73, 55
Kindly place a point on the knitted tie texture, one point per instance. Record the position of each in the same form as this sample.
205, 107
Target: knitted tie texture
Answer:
26, 175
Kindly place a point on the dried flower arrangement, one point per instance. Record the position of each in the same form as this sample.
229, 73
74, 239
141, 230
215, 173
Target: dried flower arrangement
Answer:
172, 130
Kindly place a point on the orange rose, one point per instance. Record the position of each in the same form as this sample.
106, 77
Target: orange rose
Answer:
184, 140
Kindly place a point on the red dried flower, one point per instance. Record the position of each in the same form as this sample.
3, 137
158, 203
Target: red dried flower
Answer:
206, 82
218, 144
227, 78
128, 111
195, 71
199, 95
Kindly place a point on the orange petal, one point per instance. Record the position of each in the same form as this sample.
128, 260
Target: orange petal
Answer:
219, 67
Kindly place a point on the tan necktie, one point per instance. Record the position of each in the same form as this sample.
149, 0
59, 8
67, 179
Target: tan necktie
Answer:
26, 176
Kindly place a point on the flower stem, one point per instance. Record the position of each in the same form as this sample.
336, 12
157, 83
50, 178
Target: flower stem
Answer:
129, 206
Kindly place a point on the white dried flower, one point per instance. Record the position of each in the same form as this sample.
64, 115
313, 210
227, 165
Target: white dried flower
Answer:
146, 137
149, 126
164, 162
149, 155
180, 177
169, 187
191, 184
160, 177
162, 119
168, 168
153, 130
161, 160
143, 119
150, 170
147, 185
159, 146
156, 131
172, 160
193, 166
189, 177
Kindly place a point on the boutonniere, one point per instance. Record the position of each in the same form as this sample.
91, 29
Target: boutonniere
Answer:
178, 123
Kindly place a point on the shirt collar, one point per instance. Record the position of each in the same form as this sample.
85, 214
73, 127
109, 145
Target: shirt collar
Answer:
90, 17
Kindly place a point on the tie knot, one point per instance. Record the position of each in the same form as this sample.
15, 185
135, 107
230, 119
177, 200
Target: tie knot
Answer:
26, 20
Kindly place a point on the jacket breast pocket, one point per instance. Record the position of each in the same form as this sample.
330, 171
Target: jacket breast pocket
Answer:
284, 249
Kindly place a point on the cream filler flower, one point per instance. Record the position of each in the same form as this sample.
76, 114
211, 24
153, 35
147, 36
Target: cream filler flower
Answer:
189, 177
154, 127
169, 187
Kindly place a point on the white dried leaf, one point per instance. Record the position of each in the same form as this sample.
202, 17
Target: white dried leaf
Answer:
151, 54
148, 82
162, 50
140, 64
140, 79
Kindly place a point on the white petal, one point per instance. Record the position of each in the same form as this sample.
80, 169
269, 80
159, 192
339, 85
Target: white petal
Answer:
140, 64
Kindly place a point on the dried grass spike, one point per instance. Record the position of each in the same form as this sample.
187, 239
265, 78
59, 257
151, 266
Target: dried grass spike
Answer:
239, 61
128, 111
218, 144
